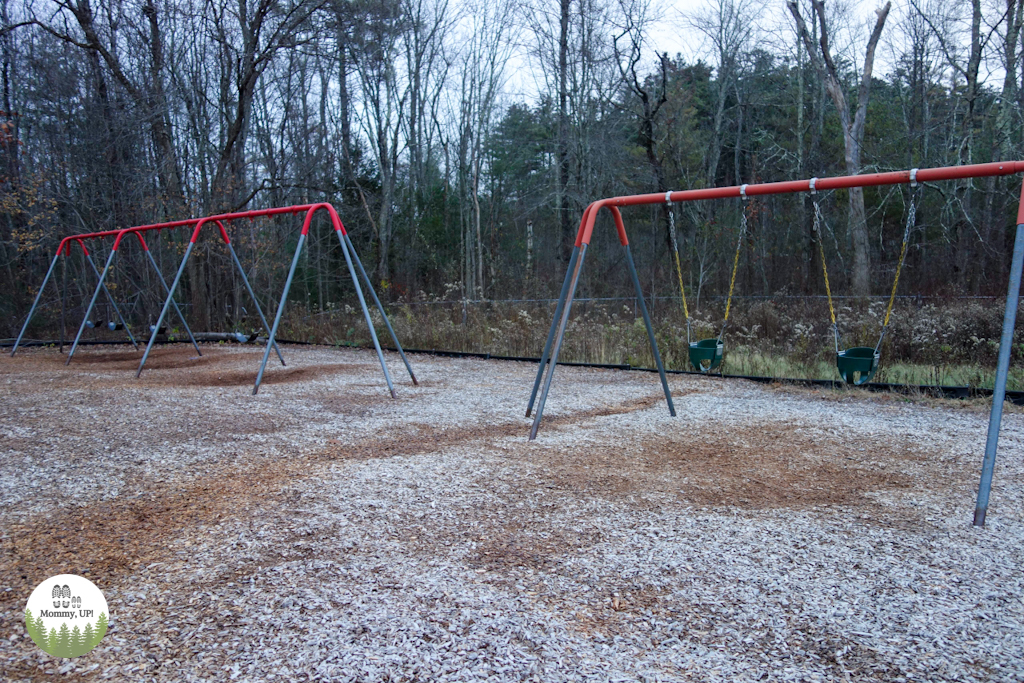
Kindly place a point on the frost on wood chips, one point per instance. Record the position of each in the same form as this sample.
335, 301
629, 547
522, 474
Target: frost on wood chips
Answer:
322, 531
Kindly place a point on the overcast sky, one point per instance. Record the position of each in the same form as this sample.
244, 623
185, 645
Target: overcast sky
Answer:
671, 31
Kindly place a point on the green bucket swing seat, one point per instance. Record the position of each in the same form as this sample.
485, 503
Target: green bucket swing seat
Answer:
706, 354
857, 365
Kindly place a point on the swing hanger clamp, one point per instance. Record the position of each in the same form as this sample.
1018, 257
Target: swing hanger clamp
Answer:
812, 184
743, 191
913, 177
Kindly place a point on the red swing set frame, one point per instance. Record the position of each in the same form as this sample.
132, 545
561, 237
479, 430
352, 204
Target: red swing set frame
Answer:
348, 248
556, 334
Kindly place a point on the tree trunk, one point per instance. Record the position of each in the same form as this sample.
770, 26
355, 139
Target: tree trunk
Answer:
853, 131
562, 191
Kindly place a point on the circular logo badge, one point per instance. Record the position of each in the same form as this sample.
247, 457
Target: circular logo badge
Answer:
66, 615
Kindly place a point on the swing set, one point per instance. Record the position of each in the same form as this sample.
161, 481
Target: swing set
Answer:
197, 224
856, 365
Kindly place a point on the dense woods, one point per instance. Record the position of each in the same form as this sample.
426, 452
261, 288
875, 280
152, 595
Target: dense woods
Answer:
460, 142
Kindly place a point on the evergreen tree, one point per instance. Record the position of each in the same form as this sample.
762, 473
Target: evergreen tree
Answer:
51, 642
78, 645
101, 628
88, 637
63, 648
36, 630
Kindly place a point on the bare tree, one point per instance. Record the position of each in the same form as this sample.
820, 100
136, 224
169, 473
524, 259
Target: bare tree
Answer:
147, 91
651, 94
376, 51
853, 127
487, 49
727, 26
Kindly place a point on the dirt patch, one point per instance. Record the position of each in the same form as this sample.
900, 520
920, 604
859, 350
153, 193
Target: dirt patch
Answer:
277, 375
350, 405
159, 359
605, 411
215, 368
765, 466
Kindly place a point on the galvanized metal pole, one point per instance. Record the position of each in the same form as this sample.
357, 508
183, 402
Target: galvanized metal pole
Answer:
366, 313
559, 338
110, 297
280, 312
167, 305
255, 302
554, 325
174, 303
369, 286
92, 302
35, 303
1002, 370
650, 330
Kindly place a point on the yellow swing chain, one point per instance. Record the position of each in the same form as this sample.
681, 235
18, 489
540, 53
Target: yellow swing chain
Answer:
911, 219
679, 268
735, 260
818, 221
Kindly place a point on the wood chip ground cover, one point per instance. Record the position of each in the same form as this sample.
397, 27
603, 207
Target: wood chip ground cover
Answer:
323, 531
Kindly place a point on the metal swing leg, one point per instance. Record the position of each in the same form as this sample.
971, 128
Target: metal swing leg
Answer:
92, 303
650, 331
366, 314
174, 303
559, 338
255, 302
554, 325
35, 303
280, 312
110, 298
376, 300
167, 305
1002, 370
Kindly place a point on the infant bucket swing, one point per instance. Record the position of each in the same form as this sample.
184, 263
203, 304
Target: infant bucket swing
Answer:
706, 354
857, 365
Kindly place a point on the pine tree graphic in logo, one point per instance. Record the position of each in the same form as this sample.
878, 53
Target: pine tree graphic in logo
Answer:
77, 621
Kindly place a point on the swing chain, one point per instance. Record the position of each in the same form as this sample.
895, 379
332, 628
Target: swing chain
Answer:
818, 220
679, 269
735, 260
911, 219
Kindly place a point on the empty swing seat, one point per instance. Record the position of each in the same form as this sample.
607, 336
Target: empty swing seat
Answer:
706, 354
859, 359
114, 326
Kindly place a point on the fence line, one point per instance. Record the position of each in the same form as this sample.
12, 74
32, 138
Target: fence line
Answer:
768, 297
